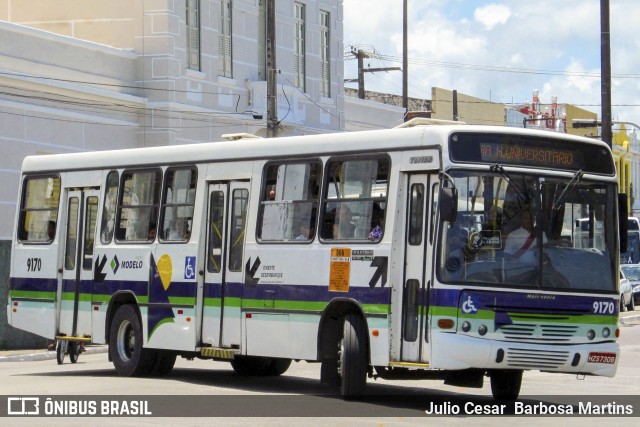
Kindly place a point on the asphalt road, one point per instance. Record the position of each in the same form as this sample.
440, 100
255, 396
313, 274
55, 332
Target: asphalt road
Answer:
289, 399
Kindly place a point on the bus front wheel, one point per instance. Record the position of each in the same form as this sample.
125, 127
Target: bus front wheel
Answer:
125, 344
505, 384
353, 357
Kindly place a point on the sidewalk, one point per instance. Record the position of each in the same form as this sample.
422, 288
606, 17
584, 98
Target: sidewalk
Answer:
30, 355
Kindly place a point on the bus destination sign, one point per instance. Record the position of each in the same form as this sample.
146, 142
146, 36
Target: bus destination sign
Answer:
534, 156
530, 150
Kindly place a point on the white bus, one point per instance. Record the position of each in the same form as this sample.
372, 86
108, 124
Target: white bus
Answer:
377, 254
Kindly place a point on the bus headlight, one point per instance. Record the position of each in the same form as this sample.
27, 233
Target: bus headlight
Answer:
466, 326
591, 334
482, 329
606, 332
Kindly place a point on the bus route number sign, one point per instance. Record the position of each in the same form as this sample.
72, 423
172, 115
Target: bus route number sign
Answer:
340, 269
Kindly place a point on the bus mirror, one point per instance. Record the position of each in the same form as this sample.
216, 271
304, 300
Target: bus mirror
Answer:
448, 202
623, 221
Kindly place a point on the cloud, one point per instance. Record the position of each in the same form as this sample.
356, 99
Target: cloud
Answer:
492, 15
547, 37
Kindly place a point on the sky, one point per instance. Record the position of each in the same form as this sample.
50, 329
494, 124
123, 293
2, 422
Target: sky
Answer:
499, 50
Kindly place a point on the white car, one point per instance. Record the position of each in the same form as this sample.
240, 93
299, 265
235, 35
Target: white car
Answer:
626, 293
632, 272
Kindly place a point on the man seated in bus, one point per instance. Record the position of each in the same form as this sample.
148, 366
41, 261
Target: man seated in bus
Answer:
521, 243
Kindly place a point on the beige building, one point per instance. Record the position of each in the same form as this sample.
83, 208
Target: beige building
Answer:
82, 75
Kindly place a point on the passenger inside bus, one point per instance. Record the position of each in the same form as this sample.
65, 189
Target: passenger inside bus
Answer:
179, 230
377, 223
343, 228
521, 243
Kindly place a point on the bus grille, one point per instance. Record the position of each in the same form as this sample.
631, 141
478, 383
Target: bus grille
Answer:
527, 332
538, 359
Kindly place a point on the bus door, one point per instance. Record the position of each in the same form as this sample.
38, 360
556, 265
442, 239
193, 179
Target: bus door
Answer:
222, 296
77, 269
416, 279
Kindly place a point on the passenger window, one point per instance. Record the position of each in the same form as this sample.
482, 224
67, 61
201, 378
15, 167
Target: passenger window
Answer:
355, 196
289, 204
138, 204
109, 209
177, 209
39, 209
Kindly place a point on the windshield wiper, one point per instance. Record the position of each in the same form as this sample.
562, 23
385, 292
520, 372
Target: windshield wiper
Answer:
567, 190
497, 168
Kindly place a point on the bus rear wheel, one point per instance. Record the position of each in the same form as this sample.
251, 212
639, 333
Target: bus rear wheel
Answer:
353, 357
163, 363
125, 344
260, 366
505, 384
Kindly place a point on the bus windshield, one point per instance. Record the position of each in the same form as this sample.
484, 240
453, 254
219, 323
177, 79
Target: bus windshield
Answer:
527, 231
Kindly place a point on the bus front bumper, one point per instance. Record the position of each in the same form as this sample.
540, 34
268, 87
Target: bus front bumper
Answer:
456, 351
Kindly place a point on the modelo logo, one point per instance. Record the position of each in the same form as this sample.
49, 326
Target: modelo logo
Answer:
131, 265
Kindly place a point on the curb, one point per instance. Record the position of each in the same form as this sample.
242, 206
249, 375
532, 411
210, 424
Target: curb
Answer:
46, 355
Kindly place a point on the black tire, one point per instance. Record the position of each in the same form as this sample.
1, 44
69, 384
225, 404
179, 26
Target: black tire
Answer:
353, 357
61, 350
125, 344
163, 364
632, 304
279, 367
505, 385
73, 350
259, 366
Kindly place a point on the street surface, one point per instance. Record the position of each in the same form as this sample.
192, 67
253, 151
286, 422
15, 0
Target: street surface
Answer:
94, 375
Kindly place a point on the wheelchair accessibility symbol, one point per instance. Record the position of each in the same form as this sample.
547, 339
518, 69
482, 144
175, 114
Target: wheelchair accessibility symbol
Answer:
190, 267
468, 306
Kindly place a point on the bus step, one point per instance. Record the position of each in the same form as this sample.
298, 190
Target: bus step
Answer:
218, 353
72, 338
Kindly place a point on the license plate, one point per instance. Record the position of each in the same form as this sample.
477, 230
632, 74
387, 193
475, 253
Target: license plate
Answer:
608, 358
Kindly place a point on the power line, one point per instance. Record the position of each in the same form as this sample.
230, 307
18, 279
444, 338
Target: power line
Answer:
476, 67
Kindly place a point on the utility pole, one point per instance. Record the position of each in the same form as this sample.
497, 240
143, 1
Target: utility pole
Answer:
455, 105
605, 74
360, 55
272, 71
405, 60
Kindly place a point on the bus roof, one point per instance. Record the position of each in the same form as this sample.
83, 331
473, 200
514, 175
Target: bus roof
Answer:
414, 137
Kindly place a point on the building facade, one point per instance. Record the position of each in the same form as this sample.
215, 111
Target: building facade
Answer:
113, 74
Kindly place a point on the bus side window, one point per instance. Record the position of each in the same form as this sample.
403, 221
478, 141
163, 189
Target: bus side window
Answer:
138, 204
177, 207
289, 204
109, 209
39, 209
355, 195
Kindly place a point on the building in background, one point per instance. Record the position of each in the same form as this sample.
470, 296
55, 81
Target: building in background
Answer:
80, 75
114, 74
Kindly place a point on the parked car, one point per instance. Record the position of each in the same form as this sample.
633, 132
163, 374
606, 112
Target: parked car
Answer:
626, 293
632, 272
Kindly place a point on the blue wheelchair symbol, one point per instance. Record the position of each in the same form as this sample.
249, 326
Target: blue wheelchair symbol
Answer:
190, 267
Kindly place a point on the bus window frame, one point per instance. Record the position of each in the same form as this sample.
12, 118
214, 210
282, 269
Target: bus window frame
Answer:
325, 190
162, 203
22, 211
263, 187
158, 171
